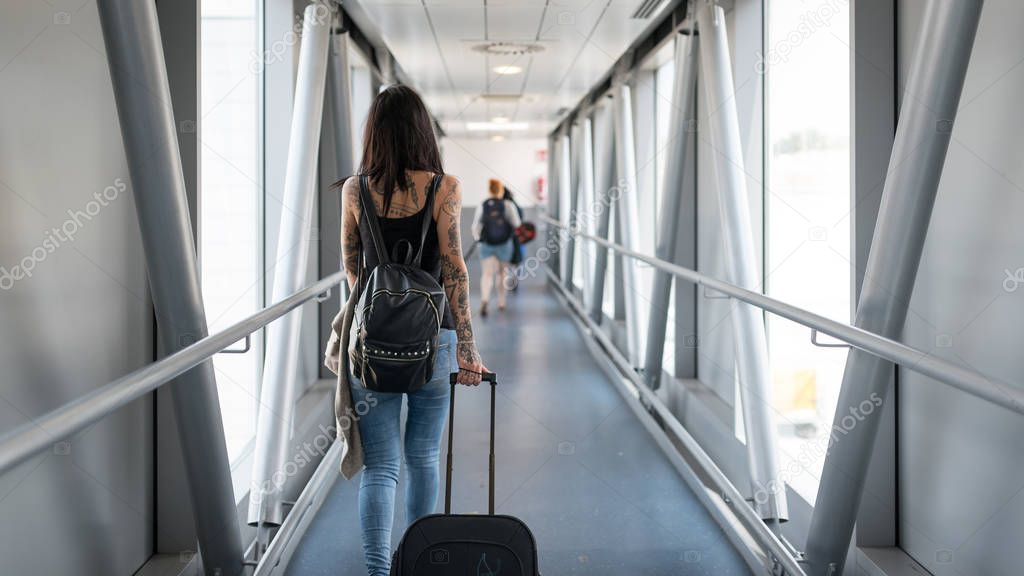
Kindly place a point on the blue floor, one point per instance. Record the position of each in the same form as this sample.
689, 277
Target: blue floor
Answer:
572, 461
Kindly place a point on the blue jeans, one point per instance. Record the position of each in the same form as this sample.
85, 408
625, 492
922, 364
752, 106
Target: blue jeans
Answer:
380, 430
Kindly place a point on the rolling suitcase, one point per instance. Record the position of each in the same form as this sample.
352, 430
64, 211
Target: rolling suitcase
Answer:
467, 544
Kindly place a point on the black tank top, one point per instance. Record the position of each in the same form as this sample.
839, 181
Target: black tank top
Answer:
409, 228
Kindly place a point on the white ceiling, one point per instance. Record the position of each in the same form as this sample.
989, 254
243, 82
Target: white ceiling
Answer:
433, 40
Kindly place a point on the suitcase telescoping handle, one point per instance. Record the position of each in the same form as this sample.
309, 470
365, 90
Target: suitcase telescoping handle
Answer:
486, 377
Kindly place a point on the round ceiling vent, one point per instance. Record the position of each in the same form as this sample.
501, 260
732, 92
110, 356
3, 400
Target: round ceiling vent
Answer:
508, 48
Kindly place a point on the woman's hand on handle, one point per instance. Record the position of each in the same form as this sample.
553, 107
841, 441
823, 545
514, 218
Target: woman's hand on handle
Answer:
471, 366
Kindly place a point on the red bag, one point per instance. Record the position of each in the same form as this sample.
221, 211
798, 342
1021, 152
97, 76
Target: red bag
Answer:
526, 232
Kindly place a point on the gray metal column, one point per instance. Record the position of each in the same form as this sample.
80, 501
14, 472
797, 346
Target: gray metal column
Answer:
339, 99
741, 261
680, 139
278, 393
180, 30
335, 163
604, 186
873, 108
553, 176
626, 208
929, 105
131, 34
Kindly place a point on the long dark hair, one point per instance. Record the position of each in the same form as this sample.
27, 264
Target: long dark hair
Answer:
399, 136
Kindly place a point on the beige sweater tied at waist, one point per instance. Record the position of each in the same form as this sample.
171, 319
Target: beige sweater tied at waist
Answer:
345, 417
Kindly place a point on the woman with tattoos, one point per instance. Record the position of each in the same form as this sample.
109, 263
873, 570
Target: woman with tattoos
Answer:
400, 159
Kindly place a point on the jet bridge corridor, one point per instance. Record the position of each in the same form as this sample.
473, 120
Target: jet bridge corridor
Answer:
573, 461
762, 307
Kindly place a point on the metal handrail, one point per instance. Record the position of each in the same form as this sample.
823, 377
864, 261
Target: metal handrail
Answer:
21, 443
994, 390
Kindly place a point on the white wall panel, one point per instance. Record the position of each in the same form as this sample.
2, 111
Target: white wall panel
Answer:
83, 317
512, 161
961, 466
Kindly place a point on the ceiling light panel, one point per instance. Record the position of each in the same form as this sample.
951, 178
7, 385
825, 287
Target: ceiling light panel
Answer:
464, 86
508, 69
497, 127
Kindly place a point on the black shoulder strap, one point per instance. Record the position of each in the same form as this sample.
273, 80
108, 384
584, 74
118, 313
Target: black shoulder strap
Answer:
428, 215
370, 215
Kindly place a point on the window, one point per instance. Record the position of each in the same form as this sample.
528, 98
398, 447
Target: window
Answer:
664, 78
807, 224
579, 210
585, 212
644, 98
604, 209
230, 201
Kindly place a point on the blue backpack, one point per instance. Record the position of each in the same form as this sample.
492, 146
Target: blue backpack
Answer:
496, 227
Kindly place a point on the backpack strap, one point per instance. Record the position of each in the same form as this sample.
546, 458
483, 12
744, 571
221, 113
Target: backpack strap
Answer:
370, 215
428, 215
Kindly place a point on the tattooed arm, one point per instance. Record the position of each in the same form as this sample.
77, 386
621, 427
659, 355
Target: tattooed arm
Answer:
456, 279
351, 247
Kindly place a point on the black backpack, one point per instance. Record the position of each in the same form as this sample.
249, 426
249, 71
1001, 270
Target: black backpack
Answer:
496, 227
398, 314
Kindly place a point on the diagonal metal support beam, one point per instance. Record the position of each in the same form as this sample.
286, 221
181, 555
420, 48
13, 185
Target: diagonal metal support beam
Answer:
604, 182
928, 108
680, 140
741, 261
585, 203
279, 390
626, 206
131, 34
